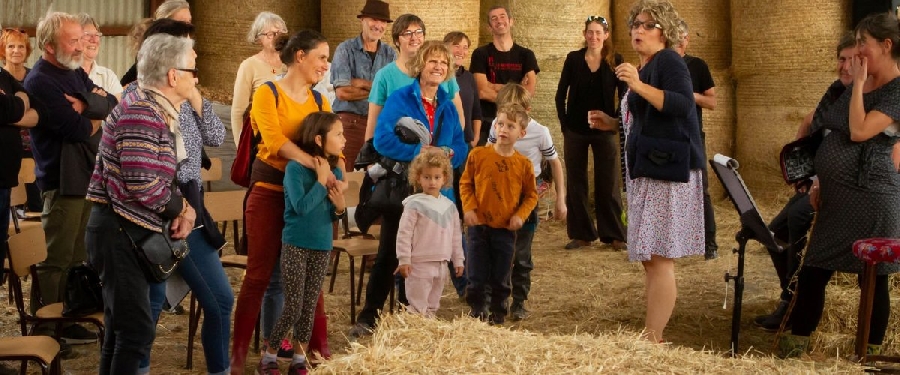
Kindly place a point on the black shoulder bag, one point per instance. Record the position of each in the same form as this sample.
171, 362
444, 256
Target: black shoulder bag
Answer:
83, 292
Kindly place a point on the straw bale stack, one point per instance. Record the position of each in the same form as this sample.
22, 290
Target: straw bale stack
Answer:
410, 344
551, 35
339, 20
221, 28
719, 124
781, 75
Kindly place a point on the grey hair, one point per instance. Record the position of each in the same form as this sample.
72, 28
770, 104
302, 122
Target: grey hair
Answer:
169, 7
159, 53
85, 19
263, 21
664, 13
49, 27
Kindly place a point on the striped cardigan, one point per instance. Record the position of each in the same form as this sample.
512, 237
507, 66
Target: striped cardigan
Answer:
136, 162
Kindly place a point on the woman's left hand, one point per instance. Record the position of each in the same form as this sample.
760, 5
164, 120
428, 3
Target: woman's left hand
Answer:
183, 224
627, 73
859, 69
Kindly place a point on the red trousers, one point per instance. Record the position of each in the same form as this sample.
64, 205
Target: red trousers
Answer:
264, 218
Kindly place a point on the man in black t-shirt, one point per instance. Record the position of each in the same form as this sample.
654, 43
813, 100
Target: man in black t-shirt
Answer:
498, 63
705, 96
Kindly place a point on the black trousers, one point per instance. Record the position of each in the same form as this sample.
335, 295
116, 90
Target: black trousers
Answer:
811, 302
382, 276
790, 226
607, 187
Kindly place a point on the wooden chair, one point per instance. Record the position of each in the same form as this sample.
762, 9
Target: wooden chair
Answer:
40, 349
213, 174
354, 244
26, 250
224, 207
18, 196
872, 251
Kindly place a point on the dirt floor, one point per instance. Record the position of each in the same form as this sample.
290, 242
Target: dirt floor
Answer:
586, 291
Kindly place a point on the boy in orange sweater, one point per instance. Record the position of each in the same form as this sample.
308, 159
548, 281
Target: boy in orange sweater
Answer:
498, 193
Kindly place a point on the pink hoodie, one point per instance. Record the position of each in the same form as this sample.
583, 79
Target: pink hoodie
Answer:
429, 231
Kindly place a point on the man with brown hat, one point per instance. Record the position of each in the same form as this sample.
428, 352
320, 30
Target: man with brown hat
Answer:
354, 66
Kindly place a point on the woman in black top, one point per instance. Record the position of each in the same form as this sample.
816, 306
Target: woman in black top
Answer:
588, 83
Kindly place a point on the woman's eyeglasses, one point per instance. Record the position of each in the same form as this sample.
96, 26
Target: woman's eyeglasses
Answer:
599, 19
89, 36
271, 34
647, 25
192, 71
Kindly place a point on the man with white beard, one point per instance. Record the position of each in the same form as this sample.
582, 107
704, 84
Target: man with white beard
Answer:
64, 144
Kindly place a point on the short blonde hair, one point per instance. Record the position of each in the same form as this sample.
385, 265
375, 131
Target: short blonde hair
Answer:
48, 28
169, 7
429, 48
265, 20
514, 93
430, 159
516, 113
662, 12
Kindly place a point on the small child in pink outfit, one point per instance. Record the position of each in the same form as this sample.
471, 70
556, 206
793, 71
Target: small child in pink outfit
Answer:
429, 234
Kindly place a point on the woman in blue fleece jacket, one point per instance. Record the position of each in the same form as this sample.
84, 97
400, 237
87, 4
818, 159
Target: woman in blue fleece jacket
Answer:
432, 106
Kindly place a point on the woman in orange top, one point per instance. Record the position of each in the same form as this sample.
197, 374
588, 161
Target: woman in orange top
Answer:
276, 113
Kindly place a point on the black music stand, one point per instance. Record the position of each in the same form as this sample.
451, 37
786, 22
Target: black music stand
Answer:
752, 228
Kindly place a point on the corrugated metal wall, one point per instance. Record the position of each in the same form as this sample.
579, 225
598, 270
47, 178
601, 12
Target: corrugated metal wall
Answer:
114, 50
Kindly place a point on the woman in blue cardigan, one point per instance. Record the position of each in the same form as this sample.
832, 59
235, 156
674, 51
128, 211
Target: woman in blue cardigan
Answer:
431, 107
664, 158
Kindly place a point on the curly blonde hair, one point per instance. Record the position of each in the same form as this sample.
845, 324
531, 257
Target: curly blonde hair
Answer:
662, 12
430, 159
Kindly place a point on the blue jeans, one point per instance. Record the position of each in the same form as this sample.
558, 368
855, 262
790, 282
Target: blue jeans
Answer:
273, 302
203, 272
4, 223
490, 263
130, 328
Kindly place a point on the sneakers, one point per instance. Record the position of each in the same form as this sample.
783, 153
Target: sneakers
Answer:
772, 322
517, 311
298, 369
77, 335
360, 330
480, 314
270, 368
576, 244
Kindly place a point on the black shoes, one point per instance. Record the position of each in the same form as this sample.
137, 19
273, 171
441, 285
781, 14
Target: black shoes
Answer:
772, 322
517, 311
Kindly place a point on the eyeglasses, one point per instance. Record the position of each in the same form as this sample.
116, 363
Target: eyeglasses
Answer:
409, 33
647, 25
599, 19
271, 34
89, 36
192, 71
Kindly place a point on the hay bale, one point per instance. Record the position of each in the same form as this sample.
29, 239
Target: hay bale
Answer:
719, 125
339, 20
709, 23
769, 110
410, 344
551, 37
221, 28
765, 38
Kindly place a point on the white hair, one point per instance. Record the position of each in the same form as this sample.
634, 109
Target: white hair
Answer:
49, 27
160, 53
263, 21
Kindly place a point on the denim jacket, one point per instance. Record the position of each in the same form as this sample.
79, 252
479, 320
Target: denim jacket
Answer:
352, 61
